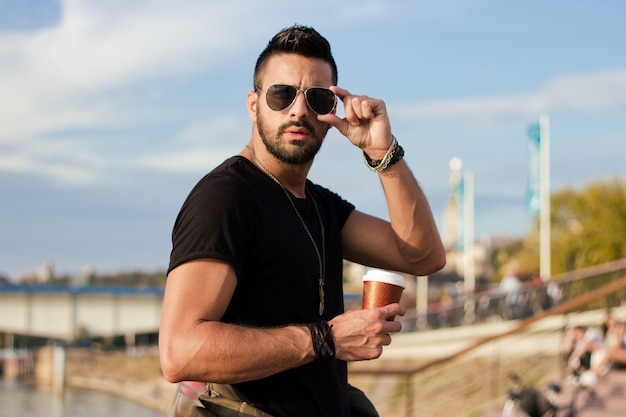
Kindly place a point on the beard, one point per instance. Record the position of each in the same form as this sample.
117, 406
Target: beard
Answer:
304, 151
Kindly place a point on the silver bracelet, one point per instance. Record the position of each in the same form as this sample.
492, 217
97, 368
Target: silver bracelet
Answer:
380, 165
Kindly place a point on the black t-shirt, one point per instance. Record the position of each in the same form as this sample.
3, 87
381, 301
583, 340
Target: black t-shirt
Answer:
238, 214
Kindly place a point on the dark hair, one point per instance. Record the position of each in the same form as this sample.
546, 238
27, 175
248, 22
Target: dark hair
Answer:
300, 40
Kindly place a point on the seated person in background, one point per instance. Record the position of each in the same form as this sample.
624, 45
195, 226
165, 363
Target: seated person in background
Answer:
613, 355
578, 346
573, 338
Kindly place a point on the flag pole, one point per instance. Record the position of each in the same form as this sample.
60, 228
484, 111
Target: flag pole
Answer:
544, 195
469, 272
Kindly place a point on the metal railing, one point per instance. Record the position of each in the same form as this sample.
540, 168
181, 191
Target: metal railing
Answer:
474, 377
529, 301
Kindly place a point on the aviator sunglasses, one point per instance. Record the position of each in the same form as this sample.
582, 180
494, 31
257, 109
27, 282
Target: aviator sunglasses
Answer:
280, 96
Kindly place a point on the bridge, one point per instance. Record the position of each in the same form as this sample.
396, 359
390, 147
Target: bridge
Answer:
69, 313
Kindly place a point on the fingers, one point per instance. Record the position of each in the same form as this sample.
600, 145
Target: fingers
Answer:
365, 122
358, 109
392, 310
362, 334
340, 92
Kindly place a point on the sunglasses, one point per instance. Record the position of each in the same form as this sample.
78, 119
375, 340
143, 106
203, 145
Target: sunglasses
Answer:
280, 96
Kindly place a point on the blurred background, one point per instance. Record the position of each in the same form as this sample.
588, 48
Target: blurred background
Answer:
110, 112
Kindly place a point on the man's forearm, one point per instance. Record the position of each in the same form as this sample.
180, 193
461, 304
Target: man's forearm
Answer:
226, 353
412, 219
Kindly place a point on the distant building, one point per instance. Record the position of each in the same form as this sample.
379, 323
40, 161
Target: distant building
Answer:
87, 274
452, 216
453, 231
45, 272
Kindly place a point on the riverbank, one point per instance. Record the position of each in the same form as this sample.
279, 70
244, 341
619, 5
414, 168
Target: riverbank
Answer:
450, 388
135, 375
462, 387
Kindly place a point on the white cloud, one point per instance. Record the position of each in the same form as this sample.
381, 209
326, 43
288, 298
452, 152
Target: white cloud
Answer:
200, 147
587, 92
62, 161
580, 93
59, 77
184, 160
80, 75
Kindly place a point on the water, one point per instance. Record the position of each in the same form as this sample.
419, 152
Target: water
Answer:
20, 399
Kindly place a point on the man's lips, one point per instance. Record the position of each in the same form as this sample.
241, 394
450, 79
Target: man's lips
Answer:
298, 131
297, 134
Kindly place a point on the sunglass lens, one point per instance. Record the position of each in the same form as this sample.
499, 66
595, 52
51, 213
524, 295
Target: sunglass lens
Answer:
279, 97
321, 100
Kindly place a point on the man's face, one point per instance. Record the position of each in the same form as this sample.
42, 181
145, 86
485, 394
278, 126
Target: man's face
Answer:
293, 135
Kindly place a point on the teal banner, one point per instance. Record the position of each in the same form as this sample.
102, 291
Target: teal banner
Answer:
534, 169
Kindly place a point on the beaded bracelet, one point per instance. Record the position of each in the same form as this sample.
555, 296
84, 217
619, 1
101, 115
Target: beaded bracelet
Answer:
322, 339
393, 155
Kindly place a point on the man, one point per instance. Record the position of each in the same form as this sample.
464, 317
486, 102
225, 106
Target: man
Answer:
253, 302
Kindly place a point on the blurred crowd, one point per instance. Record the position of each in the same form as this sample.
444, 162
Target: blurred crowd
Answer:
595, 350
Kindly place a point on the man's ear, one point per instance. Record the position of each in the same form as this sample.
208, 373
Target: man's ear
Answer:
253, 98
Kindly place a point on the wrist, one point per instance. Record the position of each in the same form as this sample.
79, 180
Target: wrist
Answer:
394, 154
377, 154
322, 340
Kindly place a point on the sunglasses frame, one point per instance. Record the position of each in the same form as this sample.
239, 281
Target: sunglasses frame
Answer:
298, 90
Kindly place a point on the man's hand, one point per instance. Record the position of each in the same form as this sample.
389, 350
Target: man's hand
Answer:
361, 334
366, 123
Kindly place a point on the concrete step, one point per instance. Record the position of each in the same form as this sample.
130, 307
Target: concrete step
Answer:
492, 413
609, 399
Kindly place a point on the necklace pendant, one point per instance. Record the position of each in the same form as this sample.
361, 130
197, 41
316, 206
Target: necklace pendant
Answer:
321, 298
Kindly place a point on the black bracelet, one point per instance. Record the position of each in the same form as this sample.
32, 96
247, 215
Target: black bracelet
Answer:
322, 339
394, 154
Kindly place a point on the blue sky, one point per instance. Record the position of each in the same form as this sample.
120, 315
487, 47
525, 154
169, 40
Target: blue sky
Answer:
110, 111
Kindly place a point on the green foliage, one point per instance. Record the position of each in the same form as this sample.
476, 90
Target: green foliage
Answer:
507, 255
588, 227
137, 279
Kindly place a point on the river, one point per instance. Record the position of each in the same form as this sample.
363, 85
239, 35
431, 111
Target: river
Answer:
21, 399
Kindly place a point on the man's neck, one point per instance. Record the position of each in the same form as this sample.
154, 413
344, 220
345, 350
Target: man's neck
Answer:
289, 176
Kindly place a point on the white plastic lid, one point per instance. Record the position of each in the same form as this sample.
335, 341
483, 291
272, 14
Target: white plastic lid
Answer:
385, 276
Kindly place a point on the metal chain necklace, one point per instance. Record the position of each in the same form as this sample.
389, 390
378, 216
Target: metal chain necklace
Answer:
321, 255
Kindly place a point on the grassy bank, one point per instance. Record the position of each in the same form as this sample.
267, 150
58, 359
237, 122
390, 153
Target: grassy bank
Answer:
136, 376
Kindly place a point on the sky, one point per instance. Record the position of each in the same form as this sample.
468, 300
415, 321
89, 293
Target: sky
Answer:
111, 111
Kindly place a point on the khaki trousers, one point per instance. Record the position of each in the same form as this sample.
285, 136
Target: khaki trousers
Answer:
215, 402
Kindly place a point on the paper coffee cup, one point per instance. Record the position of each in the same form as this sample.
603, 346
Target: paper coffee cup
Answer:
381, 288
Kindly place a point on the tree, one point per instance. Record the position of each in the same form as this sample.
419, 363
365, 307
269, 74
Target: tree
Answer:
588, 227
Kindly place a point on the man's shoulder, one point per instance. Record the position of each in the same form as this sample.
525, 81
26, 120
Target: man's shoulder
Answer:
231, 181
328, 195
232, 167
234, 170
